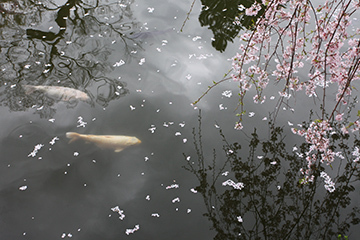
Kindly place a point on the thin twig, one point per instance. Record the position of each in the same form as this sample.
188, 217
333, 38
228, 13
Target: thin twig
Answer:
187, 16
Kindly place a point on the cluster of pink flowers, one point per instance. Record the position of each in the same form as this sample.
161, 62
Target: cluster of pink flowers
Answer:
317, 135
295, 35
356, 154
329, 184
253, 10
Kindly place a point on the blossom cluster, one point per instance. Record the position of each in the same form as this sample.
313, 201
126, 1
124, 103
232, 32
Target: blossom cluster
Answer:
317, 135
329, 184
293, 36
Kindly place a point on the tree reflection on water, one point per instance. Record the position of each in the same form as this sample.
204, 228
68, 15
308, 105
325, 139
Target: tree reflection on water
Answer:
74, 51
226, 18
272, 204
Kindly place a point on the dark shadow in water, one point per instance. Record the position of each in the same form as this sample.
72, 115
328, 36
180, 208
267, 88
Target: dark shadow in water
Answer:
73, 53
225, 19
272, 203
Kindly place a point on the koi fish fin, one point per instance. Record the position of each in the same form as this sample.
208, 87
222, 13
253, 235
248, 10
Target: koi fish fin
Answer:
119, 149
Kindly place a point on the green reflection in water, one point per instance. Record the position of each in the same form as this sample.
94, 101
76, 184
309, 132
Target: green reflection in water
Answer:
262, 198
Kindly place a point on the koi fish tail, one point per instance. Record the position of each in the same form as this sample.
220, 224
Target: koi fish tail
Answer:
29, 89
73, 136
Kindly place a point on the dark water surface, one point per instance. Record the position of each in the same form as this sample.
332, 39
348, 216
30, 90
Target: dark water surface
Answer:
142, 75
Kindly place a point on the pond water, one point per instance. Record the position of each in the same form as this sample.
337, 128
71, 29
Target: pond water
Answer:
141, 75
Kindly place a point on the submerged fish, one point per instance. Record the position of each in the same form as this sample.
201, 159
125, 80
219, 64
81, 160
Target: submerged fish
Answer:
116, 142
57, 92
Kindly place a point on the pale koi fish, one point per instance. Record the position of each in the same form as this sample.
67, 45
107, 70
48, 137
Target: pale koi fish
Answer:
57, 93
116, 142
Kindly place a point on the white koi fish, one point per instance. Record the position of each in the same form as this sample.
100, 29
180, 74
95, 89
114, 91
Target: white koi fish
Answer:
57, 93
116, 142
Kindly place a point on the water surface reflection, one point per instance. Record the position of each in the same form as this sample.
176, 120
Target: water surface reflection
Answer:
262, 197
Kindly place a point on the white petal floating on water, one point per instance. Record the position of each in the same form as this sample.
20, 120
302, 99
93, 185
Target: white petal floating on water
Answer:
177, 133
142, 61
231, 183
196, 38
52, 142
184, 140
150, 9
152, 128
251, 114
80, 122
36, 149
120, 63
225, 173
239, 218
182, 124
227, 93
175, 200
172, 186
76, 154
147, 197
132, 107
23, 188
118, 210
290, 123
193, 190
52, 120
155, 215
188, 210
130, 231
